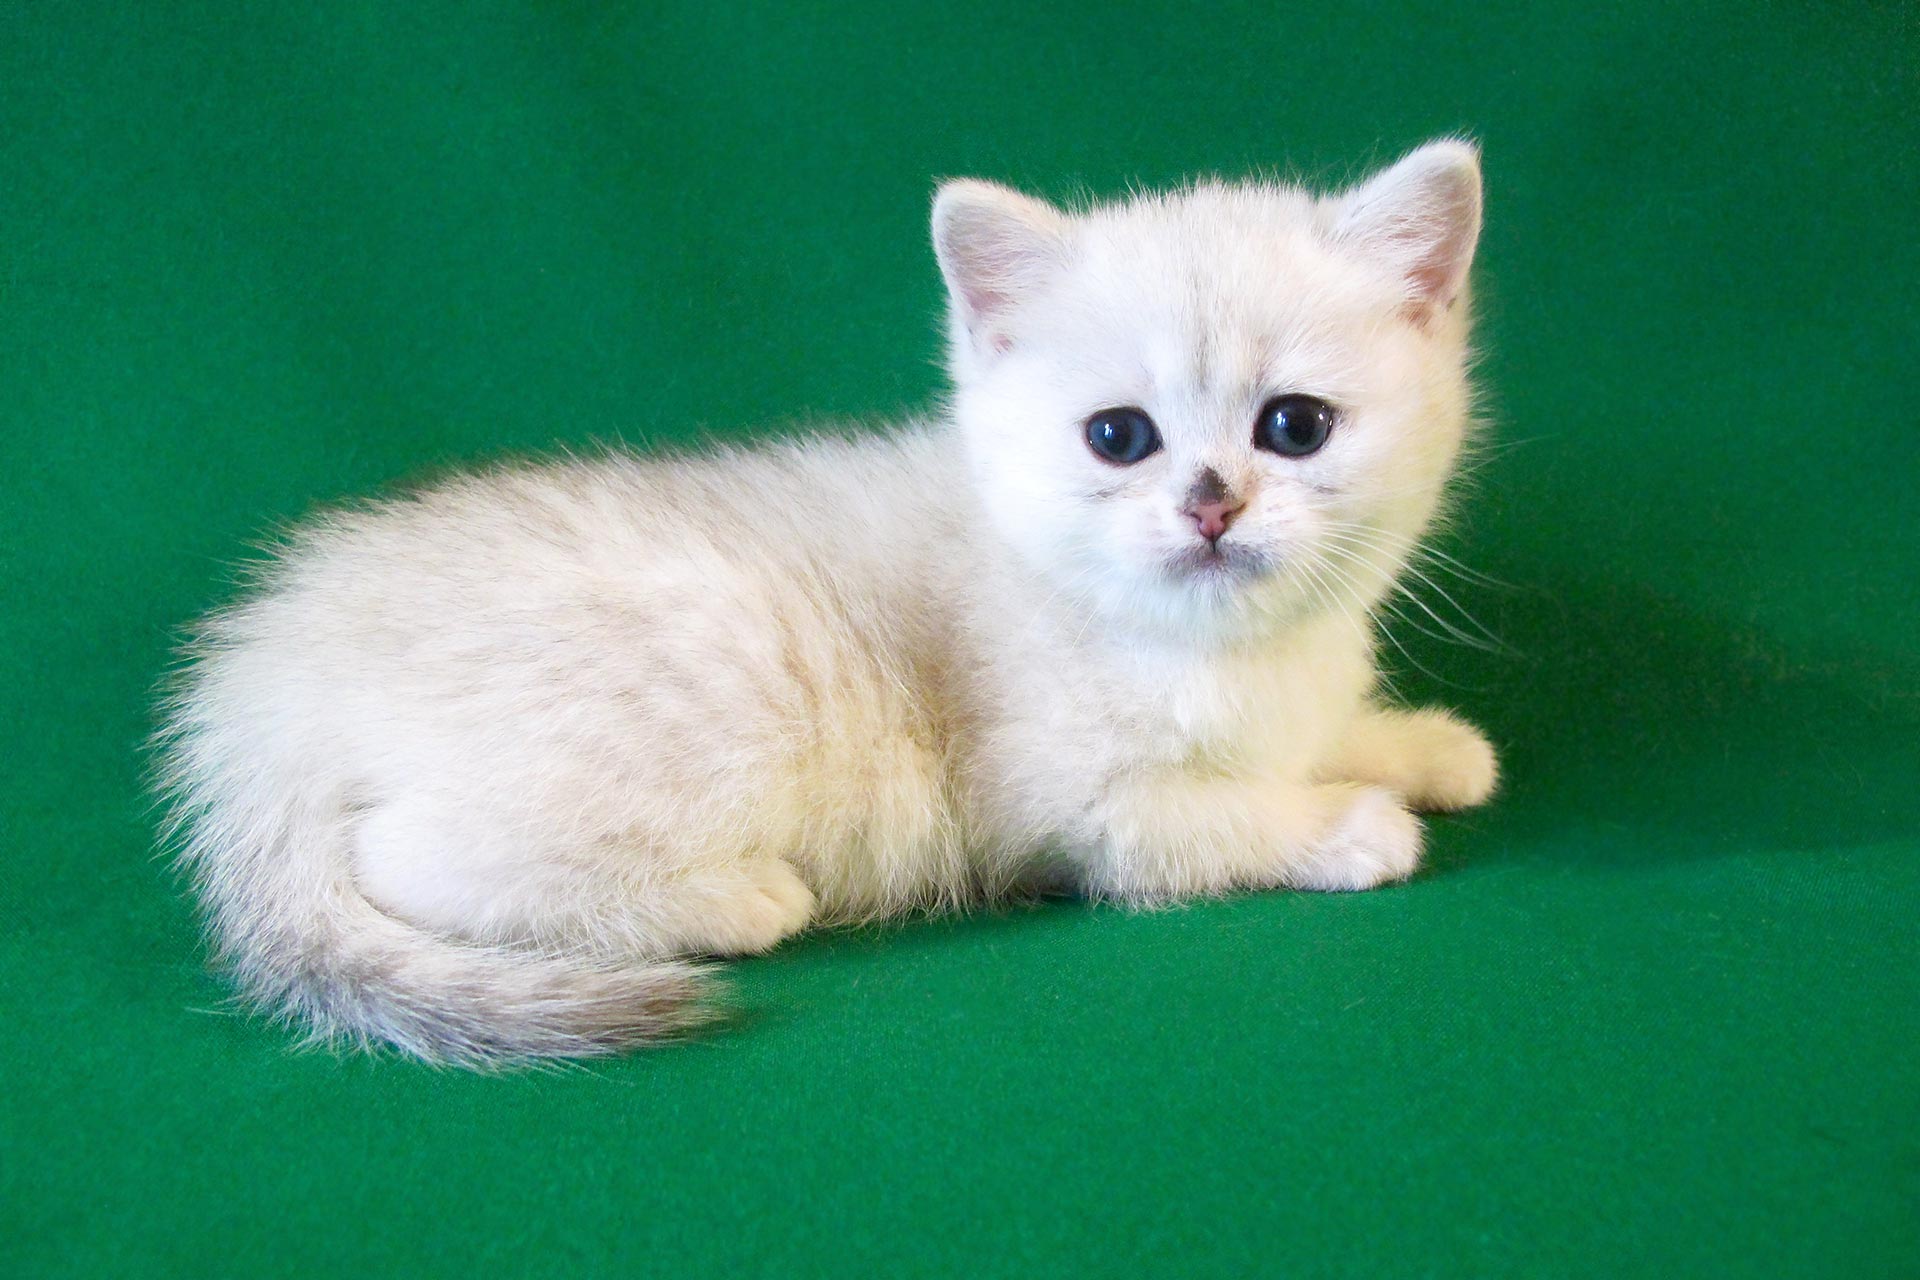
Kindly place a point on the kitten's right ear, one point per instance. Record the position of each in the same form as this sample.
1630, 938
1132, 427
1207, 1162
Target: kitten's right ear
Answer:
995, 247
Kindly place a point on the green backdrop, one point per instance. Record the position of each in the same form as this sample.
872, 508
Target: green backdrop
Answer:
1657, 1012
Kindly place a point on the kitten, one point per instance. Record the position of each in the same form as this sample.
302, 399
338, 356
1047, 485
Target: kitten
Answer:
472, 772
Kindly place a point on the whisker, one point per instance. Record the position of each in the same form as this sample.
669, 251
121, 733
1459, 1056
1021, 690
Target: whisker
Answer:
1394, 640
1389, 613
1347, 537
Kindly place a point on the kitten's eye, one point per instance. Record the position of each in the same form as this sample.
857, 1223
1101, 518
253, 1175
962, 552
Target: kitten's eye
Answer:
1122, 435
1294, 426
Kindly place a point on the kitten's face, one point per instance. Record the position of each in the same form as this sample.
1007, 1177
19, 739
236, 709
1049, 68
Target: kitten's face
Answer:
1217, 410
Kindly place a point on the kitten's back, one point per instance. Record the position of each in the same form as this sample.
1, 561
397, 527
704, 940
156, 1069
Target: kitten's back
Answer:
557, 688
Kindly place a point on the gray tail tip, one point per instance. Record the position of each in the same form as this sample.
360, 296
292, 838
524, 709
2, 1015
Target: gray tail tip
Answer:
600, 1013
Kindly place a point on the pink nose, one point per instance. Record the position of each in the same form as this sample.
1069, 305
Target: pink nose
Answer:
1212, 518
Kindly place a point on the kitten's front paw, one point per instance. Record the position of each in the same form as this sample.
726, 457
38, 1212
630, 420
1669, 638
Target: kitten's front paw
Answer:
1458, 768
1432, 759
1374, 842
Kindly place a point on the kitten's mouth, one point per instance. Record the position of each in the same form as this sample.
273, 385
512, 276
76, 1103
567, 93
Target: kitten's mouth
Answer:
1217, 562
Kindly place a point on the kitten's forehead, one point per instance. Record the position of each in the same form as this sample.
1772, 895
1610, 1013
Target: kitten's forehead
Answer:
1246, 254
1207, 289
1209, 208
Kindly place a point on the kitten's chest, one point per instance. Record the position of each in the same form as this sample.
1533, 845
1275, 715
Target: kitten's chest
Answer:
1061, 721
1259, 708
1234, 712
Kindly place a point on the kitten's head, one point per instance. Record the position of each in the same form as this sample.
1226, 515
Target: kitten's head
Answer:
1222, 409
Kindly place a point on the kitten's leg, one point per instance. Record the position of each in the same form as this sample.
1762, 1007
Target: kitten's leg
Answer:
737, 910
471, 875
730, 910
1174, 835
1432, 759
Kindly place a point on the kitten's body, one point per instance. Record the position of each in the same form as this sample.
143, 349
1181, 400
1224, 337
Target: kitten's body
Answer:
470, 769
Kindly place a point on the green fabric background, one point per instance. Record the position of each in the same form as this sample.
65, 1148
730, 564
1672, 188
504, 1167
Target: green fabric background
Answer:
1656, 1012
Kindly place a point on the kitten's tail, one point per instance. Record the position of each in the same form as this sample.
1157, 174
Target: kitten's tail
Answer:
308, 947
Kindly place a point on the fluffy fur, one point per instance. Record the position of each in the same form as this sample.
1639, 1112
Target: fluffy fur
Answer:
474, 771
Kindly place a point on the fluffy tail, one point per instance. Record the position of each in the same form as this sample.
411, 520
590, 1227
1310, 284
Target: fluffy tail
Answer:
269, 856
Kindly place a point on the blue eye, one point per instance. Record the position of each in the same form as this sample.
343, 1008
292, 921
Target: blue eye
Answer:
1122, 436
1294, 426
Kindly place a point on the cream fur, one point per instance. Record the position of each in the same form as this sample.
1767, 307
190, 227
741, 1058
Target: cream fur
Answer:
471, 771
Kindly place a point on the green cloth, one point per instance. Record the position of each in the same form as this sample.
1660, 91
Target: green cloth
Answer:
1656, 1012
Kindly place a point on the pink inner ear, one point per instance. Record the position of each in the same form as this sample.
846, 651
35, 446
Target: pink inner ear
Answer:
1422, 216
983, 301
1437, 274
989, 290
1437, 277
983, 305
1440, 270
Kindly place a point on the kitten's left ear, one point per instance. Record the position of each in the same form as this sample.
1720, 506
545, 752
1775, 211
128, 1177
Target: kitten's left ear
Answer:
1421, 217
995, 247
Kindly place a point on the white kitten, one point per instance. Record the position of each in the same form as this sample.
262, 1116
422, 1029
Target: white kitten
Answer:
468, 770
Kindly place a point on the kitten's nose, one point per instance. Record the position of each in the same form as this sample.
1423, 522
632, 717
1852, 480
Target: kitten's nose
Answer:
1211, 504
1212, 518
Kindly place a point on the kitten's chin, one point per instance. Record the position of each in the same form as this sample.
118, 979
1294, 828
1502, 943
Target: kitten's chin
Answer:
1195, 595
1204, 604
1212, 594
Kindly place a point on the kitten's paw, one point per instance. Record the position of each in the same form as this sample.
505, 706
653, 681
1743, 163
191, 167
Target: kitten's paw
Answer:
1374, 842
1432, 759
1457, 768
773, 903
